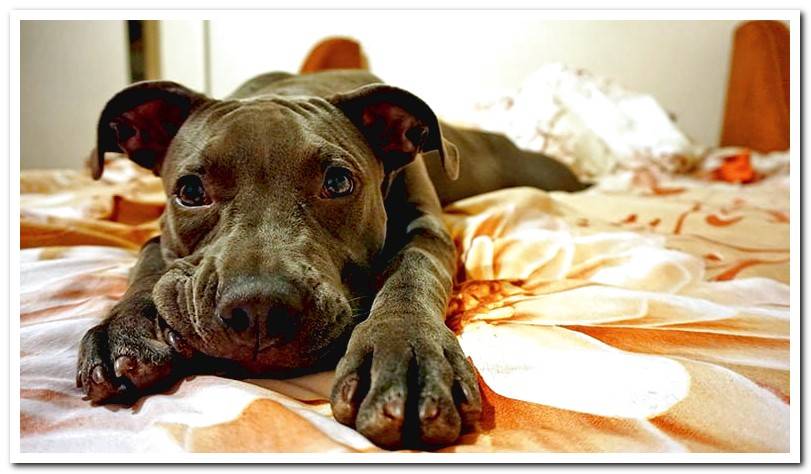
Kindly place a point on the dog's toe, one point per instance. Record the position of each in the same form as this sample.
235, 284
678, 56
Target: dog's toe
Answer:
139, 364
92, 374
351, 384
346, 399
381, 418
439, 420
101, 386
465, 389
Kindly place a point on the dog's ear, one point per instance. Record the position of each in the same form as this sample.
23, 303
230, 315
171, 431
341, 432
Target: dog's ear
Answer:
397, 125
141, 121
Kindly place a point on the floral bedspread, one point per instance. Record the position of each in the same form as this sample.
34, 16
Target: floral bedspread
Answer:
648, 313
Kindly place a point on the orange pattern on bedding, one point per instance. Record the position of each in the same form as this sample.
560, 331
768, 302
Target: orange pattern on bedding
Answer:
612, 320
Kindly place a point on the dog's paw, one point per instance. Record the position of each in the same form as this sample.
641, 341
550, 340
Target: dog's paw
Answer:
405, 385
127, 355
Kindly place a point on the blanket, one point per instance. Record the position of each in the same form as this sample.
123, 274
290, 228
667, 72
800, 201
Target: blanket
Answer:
647, 314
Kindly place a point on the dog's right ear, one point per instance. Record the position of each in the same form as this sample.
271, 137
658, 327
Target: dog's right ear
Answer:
141, 121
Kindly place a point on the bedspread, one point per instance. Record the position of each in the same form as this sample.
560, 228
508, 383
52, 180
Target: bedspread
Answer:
641, 315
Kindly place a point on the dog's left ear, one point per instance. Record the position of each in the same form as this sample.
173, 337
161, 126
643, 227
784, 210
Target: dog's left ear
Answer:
397, 125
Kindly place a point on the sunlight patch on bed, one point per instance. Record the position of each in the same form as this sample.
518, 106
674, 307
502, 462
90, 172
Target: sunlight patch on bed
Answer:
573, 371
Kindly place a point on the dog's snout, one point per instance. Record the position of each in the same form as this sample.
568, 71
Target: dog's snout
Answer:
269, 306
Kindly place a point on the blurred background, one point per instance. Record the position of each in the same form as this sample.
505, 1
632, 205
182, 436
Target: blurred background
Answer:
69, 69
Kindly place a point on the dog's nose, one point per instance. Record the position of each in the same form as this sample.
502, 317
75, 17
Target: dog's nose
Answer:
275, 303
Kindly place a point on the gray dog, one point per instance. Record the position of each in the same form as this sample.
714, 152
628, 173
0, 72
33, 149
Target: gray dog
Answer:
303, 226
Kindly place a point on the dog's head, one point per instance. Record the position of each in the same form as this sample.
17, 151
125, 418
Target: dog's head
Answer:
275, 212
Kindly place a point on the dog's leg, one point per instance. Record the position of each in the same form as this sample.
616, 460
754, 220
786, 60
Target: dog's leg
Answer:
131, 351
404, 377
493, 162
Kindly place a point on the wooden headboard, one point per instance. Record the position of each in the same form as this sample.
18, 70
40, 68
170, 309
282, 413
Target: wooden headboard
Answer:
757, 104
335, 53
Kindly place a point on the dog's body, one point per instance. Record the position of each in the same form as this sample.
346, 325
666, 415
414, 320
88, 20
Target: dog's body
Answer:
492, 161
303, 210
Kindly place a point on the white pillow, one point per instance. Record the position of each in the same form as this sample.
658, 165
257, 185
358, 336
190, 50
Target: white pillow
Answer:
590, 123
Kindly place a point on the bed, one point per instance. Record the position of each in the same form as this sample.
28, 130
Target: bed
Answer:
649, 313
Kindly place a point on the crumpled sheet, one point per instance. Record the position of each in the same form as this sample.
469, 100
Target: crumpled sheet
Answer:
598, 128
590, 122
643, 315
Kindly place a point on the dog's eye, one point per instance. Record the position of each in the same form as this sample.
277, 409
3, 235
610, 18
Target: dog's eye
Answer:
190, 191
337, 182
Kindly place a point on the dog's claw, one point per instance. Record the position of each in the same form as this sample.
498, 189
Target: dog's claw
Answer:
394, 409
429, 410
348, 389
345, 407
171, 338
123, 365
174, 340
98, 375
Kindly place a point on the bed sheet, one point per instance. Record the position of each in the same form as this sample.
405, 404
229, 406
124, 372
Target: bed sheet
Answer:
647, 314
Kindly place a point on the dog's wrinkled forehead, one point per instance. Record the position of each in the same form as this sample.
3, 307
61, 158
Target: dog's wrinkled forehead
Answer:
266, 134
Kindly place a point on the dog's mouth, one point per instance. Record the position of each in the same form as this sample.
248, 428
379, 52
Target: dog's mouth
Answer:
187, 301
287, 355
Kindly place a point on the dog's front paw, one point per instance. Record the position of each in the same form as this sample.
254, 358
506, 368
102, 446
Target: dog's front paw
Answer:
405, 384
128, 354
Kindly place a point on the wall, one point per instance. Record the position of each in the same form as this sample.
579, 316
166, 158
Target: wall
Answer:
183, 54
451, 59
68, 70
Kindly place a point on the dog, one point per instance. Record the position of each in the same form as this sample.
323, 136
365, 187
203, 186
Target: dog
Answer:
302, 231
